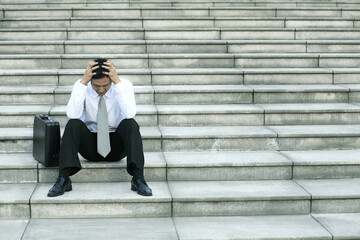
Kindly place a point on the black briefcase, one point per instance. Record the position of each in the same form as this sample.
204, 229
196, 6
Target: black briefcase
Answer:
46, 140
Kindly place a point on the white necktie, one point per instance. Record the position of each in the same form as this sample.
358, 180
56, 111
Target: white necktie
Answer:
103, 139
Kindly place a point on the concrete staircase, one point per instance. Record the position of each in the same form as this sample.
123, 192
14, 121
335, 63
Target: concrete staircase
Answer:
249, 111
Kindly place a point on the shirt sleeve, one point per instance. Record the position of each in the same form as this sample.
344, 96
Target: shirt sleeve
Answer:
75, 106
126, 98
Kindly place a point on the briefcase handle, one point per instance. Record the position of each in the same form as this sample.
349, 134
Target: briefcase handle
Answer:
43, 116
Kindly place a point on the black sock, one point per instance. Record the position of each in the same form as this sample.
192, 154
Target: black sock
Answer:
65, 173
138, 173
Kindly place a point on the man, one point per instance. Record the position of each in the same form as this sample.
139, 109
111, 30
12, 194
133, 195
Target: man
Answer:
101, 127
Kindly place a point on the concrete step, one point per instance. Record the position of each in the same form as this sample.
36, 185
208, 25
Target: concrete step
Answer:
324, 164
189, 76
99, 200
136, 61
202, 94
181, 22
324, 226
327, 196
355, 90
307, 114
284, 138
176, 47
287, 137
180, 12
9, 34
189, 166
181, 94
147, 115
199, 198
20, 139
23, 168
111, 4
333, 195
23, 115
194, 94
46, 95
269, 94
197, 166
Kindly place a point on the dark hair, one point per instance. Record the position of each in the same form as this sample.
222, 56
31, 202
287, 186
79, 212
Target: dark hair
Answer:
100, 70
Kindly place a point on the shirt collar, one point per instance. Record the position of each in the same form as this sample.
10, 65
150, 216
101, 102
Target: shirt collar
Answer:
94, 94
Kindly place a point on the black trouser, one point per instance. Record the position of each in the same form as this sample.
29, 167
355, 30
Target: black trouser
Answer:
77, 138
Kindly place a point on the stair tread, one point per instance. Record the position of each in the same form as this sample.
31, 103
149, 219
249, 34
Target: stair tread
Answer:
331, 188
102, 192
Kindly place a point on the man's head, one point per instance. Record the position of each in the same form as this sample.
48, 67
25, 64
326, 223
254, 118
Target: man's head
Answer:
100, 82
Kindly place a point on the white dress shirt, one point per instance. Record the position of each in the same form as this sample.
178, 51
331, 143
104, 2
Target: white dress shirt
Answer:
119, 99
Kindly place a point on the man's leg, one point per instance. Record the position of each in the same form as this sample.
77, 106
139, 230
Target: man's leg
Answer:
128, 137
77, 138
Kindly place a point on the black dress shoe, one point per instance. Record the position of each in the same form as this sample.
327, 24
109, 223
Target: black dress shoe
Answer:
61, 186
141, 187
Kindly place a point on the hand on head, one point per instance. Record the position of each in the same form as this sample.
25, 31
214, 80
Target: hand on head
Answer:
96, 71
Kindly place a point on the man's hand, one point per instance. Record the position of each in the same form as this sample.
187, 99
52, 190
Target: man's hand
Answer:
89, 73
112, 72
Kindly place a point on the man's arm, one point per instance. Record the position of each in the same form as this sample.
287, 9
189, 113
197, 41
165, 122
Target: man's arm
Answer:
124, 89
75, 106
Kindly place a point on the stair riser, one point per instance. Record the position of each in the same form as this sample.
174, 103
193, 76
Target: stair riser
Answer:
106, 48
47, 175
14, 211
181, 13
302, 97
318, 143
202, 98
10, 175
141, 119
326, 172
171, 34
251, 144
227, 62
164, 79
211, 120
309, 119
27, 80
291, 78
84, 210
197, 119
197, 98
242, 208
26, 145
181, 23
354, 97
336, 206
45, 98
204, 144
192, 79
140, 98
136, 79
227, 173
326, 35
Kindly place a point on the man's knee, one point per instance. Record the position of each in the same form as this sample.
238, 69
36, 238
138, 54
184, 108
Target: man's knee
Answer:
129, 123
74, 124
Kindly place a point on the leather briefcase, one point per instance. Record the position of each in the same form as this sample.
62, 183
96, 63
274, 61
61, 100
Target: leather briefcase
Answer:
46, 140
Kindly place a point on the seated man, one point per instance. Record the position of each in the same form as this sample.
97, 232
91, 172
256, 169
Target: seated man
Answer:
101, 127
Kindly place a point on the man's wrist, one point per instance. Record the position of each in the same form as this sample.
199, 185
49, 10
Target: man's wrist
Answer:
84, 82
116, 80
